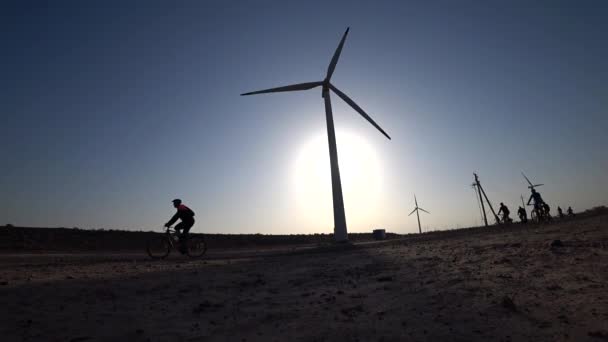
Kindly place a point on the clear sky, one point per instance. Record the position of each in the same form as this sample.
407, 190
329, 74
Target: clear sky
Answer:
110, 109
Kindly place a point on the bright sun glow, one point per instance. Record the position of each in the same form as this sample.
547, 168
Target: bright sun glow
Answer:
361, 175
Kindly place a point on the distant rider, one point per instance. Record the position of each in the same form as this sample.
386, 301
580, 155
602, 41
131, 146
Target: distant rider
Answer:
547, 209
570, 212
538, 200
523, 215
505, 213
186, 215
560, 213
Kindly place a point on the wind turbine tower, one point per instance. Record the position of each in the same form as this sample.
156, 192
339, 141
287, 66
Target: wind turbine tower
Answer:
340, 230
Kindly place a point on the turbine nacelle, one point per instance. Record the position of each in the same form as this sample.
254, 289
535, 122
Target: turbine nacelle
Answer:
325, 88
417, 208
534, 186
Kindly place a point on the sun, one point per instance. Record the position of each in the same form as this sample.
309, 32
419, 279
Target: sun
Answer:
361, 175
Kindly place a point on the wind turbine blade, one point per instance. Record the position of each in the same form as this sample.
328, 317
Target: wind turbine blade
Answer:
535, 185
424, 210
293, 87
358, 109
415, 201
526, 178
413, 211
334, 59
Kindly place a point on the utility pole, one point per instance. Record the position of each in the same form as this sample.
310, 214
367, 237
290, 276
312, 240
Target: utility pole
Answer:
483, 208
481, 191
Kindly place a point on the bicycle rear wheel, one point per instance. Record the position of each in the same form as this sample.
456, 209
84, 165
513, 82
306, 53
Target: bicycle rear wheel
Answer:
196, 246
158, 247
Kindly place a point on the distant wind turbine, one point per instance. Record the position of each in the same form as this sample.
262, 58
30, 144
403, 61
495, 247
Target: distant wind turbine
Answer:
340, 230
531, 186
417, 209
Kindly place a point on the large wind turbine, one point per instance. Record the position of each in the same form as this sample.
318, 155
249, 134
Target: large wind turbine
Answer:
417, 209
340, 231
531, 186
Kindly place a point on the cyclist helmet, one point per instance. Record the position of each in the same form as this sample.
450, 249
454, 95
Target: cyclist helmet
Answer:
177, 201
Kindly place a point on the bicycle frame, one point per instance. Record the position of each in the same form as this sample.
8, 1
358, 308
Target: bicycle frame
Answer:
171, 235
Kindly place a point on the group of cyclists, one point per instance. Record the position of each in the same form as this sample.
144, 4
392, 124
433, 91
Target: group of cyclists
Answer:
540, 212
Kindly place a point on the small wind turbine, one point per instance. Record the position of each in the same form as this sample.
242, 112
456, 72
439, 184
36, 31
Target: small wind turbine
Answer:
417, 209
340, 231
531, 186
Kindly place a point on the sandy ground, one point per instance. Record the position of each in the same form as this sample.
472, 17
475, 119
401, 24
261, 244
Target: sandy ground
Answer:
501, 284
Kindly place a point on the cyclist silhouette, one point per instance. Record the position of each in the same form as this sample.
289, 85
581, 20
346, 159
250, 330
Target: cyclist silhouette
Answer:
505, 213
570, 212
538, 200
523, 215
186, 215
547, 210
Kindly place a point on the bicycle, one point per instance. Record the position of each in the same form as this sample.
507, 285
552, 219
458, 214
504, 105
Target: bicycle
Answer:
523, 218
538, 214
159, 246
504, 220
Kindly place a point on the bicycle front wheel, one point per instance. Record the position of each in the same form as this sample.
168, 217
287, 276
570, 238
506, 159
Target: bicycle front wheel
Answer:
196, 246
534, 216
158, 247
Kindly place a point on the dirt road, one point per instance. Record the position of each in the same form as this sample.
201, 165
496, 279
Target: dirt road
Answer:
513, 284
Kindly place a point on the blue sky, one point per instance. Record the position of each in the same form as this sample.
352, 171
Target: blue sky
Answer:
111, 109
